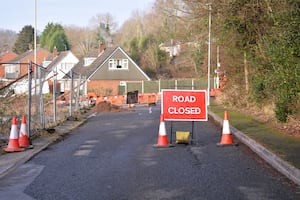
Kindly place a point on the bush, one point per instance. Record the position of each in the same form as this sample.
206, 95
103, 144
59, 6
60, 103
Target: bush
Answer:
281, 111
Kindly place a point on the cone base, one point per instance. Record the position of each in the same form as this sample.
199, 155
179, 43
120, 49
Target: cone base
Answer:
26, 146
10, 149
226, 140
13, 146
163, 146
224, 145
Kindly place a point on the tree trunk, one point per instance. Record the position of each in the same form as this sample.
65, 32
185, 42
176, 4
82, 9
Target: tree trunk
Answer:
246, 72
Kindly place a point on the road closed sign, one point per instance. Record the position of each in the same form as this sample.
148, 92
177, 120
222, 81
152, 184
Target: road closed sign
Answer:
185, 105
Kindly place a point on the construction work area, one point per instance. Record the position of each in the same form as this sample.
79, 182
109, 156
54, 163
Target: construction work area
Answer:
16, 107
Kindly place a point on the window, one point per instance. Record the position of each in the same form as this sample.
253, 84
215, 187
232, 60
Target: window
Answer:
118, 64
10, 68
66, 66
111, 64
46, 63
125, 63
88, 61
11, 71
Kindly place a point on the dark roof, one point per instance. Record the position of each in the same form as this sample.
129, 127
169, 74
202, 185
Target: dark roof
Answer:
96, 65
87, 71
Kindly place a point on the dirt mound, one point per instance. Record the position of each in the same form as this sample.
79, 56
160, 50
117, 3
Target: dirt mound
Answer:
107, 107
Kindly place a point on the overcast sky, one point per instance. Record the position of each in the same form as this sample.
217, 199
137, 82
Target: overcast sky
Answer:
15, 14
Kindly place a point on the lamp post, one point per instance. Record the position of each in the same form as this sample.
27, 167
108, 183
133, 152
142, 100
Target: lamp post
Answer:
29, 72
54, 93
35, 32
208, 56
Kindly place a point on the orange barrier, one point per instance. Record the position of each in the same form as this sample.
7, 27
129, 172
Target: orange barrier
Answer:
226, 138
162, 140
116, 100
23, 136
91, 95
214, 92
13, 143
150, 99
147, 98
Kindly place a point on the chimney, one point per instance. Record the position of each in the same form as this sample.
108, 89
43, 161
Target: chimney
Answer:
30, 47
101, 47
54, 52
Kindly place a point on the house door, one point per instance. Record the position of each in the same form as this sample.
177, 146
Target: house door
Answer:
121, 90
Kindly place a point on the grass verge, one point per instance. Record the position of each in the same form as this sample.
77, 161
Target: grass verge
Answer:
283, 145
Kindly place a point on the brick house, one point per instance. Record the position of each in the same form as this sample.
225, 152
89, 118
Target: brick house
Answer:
107, 71
19, 65
6, 57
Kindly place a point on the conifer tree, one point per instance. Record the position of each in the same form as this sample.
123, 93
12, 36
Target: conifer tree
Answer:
25, 40
54, 36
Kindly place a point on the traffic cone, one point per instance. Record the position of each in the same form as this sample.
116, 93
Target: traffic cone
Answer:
226, 138
23, 136
13, 143
162, 140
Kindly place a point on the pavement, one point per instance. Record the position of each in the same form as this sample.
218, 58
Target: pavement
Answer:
10, 161
275, 161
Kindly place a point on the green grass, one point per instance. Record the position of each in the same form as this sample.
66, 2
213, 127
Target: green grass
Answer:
286, 147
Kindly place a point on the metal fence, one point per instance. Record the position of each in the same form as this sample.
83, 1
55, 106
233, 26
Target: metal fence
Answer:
38, 98
157, 85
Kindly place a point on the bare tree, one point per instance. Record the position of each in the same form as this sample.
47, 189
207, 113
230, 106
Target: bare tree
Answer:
82, 40
104, 25
7, 40
132, 28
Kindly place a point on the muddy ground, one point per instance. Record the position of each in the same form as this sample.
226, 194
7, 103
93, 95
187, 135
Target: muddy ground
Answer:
108, 107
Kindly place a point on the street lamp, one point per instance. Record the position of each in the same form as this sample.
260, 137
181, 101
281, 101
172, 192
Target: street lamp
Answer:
35, 32
208, 56
30, 70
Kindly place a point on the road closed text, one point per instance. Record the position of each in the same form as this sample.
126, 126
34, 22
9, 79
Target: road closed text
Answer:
184, 110
182, 99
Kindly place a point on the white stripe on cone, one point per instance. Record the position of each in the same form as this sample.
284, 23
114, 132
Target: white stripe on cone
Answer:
14, 132
226, 129
23, 130
162, 128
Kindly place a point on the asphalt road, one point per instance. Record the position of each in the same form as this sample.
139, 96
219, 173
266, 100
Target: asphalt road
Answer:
112, 157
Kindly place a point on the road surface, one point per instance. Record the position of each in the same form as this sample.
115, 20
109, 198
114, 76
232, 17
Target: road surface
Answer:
112, 157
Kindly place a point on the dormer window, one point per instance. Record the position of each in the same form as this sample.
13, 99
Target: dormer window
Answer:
66, 66
46, 63
88, 61
118, 64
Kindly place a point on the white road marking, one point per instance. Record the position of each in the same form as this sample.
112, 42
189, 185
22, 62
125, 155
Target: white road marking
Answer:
86, 148
82, 152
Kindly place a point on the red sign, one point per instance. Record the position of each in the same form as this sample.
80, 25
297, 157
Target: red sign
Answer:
185, 105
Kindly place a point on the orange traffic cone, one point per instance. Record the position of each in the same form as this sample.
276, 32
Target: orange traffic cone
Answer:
226, 135
13, 144
23, 136
162, 140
